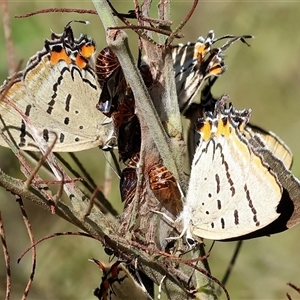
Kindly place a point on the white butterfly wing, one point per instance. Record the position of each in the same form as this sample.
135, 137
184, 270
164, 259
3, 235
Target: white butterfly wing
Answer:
58, 98
231, 192
278, 148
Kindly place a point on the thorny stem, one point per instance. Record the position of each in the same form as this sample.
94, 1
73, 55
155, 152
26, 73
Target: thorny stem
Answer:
118, 41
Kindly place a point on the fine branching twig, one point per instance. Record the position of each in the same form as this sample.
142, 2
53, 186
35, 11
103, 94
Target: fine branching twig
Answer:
6, 259
31, 237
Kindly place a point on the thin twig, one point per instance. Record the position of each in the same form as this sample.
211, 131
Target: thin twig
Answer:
8, 39
154, 29
31, 237
56, 10
55, 235
6, 259
294, 287
231, 264
182, 23
42, 160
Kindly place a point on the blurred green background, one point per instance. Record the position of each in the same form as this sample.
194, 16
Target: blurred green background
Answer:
264, 77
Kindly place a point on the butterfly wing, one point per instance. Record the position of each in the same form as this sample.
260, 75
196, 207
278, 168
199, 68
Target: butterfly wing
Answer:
278, 148
58, 97
117, 283
232, 191
193, 63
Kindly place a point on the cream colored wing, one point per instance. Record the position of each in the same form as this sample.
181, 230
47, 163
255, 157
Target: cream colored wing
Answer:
274, 144
232, 190
231, 193
58, 92
58, 99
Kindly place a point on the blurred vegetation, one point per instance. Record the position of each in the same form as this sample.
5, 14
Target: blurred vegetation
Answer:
264, 77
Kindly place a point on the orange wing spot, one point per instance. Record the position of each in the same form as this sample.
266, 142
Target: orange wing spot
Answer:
205, 131
200, 52
87, 50
216, 70
58, 56
80, 62
223, 128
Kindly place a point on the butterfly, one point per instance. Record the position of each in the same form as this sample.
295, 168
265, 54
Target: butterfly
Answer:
195, 62
240, 184
208, 103
58, 91
118, 283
